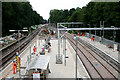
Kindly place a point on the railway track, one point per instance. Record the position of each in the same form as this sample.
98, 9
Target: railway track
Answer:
8, 54
115, 63
96, 66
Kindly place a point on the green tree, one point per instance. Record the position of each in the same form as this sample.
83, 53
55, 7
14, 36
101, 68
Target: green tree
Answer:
16, 15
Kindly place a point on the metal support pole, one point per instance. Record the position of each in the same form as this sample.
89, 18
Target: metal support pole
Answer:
89, 31
114, 35
61, 42
100, 32
58, 57
19, 40
64, 49
30, 43
39, 39
63, 45
95, 34
95, 31
36, 42
58, 43
76, 56
19, 50
103, 29
100, 27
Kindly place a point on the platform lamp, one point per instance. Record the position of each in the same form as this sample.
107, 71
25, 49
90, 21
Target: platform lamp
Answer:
18, 43
76, 38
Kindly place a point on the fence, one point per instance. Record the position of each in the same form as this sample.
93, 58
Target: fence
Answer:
104, 41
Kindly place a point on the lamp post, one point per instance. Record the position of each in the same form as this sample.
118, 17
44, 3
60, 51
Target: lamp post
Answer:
19, 44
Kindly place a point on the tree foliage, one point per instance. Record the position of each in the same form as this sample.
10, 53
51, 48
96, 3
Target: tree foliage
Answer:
16, 15
92, 14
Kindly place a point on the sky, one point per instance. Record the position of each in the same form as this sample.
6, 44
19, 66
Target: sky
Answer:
43, 7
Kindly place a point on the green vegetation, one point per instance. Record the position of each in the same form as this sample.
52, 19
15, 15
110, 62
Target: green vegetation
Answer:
16, 15
92, 14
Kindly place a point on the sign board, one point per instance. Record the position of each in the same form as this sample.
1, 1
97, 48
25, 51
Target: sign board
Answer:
36, 76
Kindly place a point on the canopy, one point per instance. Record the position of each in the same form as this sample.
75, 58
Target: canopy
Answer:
40, 62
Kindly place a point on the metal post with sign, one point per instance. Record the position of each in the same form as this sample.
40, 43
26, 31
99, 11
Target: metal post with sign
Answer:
64, 49
76, 55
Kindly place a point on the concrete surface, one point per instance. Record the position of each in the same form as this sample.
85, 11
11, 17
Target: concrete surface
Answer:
57, 70
60, 70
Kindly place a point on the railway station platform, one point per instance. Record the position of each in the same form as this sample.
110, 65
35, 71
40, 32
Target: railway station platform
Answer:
56, 70
60, 70
8, 73
109, 51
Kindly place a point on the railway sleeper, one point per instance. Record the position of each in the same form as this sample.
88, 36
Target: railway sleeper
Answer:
102, 54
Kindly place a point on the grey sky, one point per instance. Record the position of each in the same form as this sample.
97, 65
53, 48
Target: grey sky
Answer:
43, 7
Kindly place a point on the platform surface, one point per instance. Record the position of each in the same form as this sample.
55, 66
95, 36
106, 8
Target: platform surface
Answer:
57, 70
24, 60
60, 70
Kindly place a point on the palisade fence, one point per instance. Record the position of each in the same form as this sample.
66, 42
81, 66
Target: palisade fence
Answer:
104, 41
